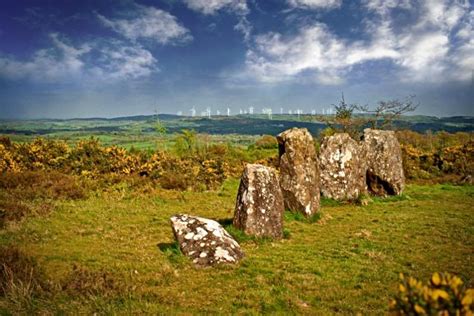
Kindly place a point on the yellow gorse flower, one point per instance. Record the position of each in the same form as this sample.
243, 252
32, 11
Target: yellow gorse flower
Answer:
442, 295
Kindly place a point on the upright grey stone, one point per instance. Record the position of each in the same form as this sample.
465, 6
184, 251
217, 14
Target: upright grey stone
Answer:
342, 167
259, 207
384, 163
205, 241
299, 171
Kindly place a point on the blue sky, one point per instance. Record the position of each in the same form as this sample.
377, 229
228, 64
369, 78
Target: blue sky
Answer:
108, 58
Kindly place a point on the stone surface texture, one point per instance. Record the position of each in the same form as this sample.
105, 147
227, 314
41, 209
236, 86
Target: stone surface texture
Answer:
384, 163
259, 207
342, 167
299, 171
205, 241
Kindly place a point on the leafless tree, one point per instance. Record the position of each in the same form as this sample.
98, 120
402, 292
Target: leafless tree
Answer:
353, 118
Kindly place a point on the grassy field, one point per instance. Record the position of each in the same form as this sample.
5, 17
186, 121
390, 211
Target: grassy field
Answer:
113, 252
128, 131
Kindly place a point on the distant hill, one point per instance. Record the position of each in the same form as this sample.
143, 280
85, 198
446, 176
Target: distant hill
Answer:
240, 124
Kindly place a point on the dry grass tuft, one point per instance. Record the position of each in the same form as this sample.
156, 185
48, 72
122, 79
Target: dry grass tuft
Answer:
364, 233
41, 184
84, 282
20, 277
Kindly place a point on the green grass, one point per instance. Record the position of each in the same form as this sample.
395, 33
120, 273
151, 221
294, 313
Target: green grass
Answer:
347, 261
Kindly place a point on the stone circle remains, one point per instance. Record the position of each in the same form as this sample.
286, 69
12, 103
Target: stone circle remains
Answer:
344, 170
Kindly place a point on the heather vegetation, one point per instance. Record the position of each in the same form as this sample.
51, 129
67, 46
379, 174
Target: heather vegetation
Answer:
85, 229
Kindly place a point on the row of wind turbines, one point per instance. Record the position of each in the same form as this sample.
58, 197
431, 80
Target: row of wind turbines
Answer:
252, 111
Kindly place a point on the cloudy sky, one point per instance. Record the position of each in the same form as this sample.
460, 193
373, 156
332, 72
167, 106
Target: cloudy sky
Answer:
107, 58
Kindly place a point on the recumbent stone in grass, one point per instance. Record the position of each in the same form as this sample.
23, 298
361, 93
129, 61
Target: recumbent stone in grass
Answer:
205, 241
342, 167
384, 163
299, 171
259, 207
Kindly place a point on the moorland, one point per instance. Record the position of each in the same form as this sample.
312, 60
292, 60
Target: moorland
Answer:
85, 207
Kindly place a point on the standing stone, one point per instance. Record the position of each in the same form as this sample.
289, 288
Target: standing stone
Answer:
259, 207
384, 163
205, 241
299, 171
342, 167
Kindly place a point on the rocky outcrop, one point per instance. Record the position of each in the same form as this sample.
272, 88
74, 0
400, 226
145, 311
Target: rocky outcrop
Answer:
299, 171
342, 167
205, 241
384, 163
259, 207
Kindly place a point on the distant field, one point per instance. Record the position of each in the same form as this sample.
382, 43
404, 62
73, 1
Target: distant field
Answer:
140, 131
346, 263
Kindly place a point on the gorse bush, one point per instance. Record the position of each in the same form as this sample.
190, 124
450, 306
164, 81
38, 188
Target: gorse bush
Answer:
195, 163
191, 165
266, 142
433, 155
444, 294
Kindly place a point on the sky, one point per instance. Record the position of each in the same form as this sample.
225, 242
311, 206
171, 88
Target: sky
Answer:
110, 58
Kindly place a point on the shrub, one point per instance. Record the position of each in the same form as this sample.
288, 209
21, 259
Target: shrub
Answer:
12, 210
266, 142
442, 295
29, 185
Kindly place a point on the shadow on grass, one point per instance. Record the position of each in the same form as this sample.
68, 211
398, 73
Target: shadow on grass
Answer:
291, 216
240, 236
327, 202
390, 198
225, 222
172, 252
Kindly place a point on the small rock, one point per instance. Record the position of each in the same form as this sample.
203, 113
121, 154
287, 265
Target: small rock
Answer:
219, 247
259, 206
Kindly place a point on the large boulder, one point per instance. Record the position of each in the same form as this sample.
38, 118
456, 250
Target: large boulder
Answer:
384, 163
205, 241
299, 171
342, 167
259, 207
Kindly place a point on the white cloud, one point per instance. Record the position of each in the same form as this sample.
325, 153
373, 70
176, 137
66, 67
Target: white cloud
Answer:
119, 61
149, 23
463, 56
442, 14
314, 49
210, 7
428, 51
315, 4
244, 27
239, 7
384, 6
90, 62
59, 62
423, 56
438, 46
